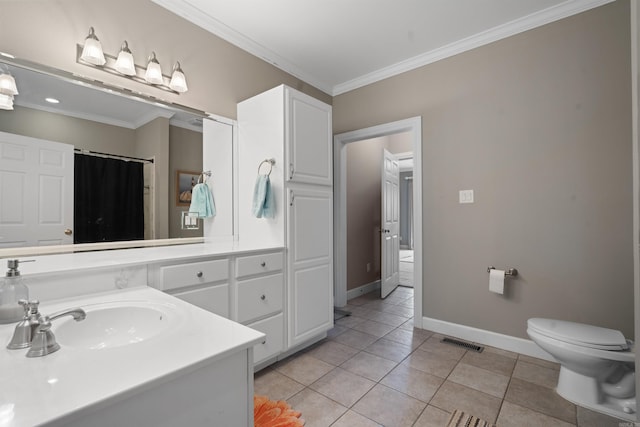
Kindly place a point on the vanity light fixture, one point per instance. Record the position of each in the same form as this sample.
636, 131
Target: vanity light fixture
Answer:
8, 85
153, 74
124, 63
8, 89
178, 80
6, 102
92, 51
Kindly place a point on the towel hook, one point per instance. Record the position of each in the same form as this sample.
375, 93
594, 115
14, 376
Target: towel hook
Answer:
271, 162
207, 173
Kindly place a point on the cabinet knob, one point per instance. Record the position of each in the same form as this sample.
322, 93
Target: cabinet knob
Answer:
199, 274
263, 297
263, 264
264, 341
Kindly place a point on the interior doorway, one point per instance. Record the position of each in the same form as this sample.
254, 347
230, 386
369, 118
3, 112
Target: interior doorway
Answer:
413, 126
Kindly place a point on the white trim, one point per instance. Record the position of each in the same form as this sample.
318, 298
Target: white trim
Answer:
635, 156
364, 289
484, 337
520, 25
200, 18
525, 23
413, 125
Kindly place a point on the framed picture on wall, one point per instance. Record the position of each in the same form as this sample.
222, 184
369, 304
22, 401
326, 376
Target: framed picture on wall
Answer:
185, 180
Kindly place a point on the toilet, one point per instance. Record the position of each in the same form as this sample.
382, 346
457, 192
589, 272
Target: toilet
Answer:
597, 365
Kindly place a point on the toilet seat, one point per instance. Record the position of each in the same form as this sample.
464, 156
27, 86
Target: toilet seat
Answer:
580, 334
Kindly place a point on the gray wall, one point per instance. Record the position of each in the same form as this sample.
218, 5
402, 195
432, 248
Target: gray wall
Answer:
539, 125
80, 133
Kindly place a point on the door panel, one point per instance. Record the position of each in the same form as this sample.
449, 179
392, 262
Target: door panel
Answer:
310, 277
389, 233
36, 191
308, 140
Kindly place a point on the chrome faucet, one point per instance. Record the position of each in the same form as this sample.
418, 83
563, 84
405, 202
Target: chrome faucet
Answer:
25, 329
34, 330
44, 342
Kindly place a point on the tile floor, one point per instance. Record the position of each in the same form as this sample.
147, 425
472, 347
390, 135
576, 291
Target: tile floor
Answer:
375, 369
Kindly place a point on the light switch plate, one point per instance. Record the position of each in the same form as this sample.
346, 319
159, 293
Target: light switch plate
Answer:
466, 196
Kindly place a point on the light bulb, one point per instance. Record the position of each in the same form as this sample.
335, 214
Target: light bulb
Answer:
124, 63
153, 74
8, 85
6, 102
92, 50
178, 80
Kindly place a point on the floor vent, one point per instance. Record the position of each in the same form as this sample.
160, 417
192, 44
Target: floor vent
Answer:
463, 344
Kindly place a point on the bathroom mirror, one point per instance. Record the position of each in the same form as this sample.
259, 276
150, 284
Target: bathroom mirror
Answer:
100, 122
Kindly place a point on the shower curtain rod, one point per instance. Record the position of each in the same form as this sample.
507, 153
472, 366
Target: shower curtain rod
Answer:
111, 156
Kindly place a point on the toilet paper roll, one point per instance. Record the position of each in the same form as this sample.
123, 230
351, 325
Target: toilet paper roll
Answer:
496, 281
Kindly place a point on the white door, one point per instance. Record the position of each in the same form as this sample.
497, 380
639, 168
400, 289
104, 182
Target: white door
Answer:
36, 192
308, 139
389, 233
310, 263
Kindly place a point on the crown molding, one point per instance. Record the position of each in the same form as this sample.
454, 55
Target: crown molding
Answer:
198, 17
520, 25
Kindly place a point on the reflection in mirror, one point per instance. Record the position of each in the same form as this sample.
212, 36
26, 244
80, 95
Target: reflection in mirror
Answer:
95, 166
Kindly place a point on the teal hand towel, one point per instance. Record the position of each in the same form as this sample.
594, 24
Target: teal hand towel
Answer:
263, 205
202, 202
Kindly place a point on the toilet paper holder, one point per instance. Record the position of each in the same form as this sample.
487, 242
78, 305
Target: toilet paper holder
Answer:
509, 272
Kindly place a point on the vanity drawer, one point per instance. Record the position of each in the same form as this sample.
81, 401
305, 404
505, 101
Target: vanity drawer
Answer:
214, 299
259, 297
195, 273
258, 264
273, 328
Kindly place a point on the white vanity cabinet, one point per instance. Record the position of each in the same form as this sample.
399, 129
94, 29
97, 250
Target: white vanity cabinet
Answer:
294, 130
204, 284
310, 246
246, 287
258, 300
307, 138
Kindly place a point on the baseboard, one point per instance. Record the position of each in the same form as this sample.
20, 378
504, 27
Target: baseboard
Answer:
481, 336
364, 289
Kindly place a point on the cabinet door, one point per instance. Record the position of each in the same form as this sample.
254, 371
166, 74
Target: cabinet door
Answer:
310, 285
308, 139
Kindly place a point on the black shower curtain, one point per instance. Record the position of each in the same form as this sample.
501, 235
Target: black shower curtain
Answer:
109, 200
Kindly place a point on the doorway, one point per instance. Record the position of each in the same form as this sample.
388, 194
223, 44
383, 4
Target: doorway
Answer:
413, 126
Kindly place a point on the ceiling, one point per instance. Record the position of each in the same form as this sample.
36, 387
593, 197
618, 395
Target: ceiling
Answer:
341, 45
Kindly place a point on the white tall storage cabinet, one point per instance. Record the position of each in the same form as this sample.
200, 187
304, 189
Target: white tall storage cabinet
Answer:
294, 129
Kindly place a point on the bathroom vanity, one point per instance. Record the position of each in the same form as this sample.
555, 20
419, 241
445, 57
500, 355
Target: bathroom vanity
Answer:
265, 284
140, 357
241, 282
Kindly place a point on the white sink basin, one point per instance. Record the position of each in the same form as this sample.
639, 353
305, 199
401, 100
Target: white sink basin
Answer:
111, 325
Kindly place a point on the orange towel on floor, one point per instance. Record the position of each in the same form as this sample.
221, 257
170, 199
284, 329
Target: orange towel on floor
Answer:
270, 413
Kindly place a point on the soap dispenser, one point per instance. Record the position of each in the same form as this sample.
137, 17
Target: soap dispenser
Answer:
12, 290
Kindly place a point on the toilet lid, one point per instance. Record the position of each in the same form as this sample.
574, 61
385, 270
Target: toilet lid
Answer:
580, 334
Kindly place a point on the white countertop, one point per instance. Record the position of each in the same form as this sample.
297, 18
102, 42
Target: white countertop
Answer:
135, 256
49, 388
